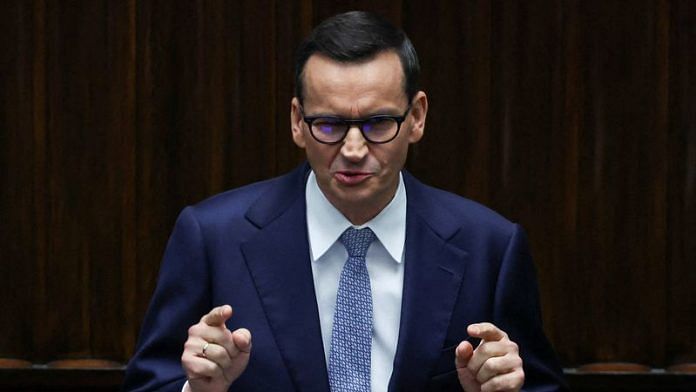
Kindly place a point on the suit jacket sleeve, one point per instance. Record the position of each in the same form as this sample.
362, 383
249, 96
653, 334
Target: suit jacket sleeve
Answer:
179, 301
517, 311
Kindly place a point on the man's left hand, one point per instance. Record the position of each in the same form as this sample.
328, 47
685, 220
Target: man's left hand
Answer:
495, 365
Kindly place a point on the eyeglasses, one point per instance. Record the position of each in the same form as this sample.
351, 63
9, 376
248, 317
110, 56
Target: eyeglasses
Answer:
376, 129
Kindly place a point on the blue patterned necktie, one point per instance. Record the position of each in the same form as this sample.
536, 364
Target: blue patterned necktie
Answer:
351, 337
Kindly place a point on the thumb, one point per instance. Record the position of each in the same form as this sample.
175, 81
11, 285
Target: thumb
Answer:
463, 354
242, 339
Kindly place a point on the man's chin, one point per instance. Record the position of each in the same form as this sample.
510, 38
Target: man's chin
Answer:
351, 194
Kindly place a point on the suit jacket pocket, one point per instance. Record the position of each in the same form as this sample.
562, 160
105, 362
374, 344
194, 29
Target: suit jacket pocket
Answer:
444, 376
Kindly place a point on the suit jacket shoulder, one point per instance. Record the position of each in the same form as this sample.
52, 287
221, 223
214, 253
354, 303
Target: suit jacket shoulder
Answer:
258, 202
456, 218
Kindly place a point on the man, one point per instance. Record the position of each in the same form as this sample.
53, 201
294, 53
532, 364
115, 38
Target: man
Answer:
347, 273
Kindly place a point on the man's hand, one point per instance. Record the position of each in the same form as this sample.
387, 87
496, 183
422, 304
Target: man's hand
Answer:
495, 365
213, 356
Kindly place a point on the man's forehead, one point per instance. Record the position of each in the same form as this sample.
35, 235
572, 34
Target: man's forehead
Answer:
387, 59
375, 80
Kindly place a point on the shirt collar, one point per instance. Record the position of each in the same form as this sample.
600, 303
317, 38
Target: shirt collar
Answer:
325, 223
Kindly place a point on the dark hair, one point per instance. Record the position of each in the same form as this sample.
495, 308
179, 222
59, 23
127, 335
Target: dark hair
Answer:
356, 36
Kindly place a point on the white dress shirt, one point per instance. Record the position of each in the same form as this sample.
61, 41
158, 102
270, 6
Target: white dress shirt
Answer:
385, 264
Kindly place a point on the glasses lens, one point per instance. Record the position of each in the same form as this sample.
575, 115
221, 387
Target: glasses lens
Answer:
328, 129
380, 129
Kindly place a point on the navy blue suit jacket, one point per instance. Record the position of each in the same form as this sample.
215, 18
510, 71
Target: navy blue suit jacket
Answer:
248, 248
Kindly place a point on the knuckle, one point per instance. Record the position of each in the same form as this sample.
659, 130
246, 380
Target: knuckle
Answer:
520, 375
512, 383
486, 349
190, 366
226, 364
502, 384
489, 367
196, 368
483, 348
492, 385
232, 350
222, 352
204, 368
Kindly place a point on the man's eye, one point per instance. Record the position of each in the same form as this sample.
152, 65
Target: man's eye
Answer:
379, 125
327, 125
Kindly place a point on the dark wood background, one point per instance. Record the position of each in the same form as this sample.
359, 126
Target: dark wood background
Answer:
575, 118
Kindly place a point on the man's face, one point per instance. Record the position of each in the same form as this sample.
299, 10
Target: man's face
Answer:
359, 178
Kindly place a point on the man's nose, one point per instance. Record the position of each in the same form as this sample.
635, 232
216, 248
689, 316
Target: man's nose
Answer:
354, 146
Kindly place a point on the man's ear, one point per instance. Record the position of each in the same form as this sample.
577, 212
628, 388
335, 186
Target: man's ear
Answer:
419, 110
297, 123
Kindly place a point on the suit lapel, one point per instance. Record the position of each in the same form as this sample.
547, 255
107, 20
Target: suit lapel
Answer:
279, 262
432, 277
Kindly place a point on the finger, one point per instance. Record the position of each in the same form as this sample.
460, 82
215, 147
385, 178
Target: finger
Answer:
195, 346
219, 356
233, 342
496, 366
217, 316
242, 340
462, 354
505, 382
486, 331
197, 367
487, 350
206, 333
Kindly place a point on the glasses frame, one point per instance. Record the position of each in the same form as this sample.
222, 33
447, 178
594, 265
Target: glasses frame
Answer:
309, 120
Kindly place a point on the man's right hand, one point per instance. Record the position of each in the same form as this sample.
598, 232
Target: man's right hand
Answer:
226, 353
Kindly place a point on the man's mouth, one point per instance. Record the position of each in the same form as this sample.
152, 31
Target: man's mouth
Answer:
348, 177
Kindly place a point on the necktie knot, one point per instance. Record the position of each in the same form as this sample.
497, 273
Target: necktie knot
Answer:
357, 241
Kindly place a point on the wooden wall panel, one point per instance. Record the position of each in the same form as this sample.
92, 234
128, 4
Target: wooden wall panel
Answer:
18, 157
294, 21
574, 118
89, 167
617, 200
681, 184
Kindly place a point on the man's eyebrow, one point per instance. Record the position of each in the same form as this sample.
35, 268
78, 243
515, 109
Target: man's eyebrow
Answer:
372, 113
384, 112
323, 114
